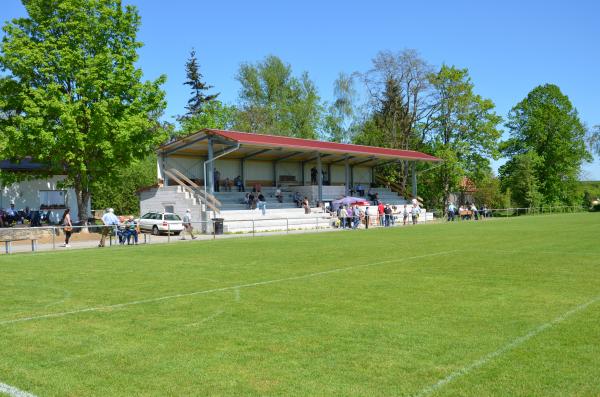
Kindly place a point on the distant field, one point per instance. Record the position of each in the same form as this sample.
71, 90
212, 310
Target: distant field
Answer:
507, 307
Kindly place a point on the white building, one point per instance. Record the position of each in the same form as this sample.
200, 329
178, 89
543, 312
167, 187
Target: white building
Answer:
38, 194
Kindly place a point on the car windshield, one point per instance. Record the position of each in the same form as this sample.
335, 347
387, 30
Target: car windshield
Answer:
172, 217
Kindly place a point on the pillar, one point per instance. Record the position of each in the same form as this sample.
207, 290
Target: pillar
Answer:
414, 178
243, 171
210, 183
275, 173
319, 177
347, 175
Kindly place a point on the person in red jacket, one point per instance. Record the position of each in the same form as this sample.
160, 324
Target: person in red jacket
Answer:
380, 211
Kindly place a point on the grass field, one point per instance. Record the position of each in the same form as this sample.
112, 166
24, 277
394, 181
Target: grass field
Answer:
502, 307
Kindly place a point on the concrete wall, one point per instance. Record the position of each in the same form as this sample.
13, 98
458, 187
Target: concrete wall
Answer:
27, 194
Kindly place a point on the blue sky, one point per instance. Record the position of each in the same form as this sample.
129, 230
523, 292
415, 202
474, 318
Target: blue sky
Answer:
509, 47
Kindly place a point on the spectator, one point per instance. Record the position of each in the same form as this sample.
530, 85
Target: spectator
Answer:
67, 226
239, 184
474, 212
416, 211
278, 194
306, 205
227, 184
217, 180
313, 176
187, 225
298, 199
11, 214
356, 217
349, 216
404, 215
110, 222
451, 211
262, 203
380, 212
367, 217
257, 188
132, 230
360, 189
343, 215
251, 201
387, 211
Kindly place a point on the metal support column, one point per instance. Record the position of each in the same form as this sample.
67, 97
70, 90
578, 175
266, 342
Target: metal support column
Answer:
347, 175
275, 173
243, 172
319, 177
210, 169
302, 172
414, 179
329, 174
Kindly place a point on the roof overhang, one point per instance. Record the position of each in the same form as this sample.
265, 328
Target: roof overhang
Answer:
281, 148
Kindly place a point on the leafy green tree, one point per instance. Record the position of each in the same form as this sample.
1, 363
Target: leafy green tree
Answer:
215, 114
337, 121
546, 124
273, 101
519, 175
462, 131
199, 99
72, 97
121, 194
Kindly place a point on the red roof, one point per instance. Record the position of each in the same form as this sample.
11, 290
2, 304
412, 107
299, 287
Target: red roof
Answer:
299, 143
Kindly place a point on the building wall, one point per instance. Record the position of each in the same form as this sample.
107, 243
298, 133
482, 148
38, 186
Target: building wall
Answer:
262, 170
28, 194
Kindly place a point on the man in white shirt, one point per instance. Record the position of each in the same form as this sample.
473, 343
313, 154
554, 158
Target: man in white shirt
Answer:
110, 221
187, 225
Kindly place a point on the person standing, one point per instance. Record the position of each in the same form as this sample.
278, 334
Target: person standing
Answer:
187, 225
405, 215
415, 214
217, 180
343, 216
367, 217
262, 203
67, 226
110, 222
451, 211
380, 212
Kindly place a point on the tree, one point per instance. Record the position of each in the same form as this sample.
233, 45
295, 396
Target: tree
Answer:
462, 131
199, 99
400, 98
593, 140
72, 96
214, 115
121, 194
273, 101
519, 177
546, 124
338, 118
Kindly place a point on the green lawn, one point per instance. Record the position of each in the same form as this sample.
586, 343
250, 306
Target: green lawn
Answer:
506, 307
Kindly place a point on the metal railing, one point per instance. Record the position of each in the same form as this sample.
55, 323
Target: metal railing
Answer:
513, 212
47, 238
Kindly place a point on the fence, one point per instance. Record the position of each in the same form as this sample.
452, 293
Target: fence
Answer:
512, 212
53, 237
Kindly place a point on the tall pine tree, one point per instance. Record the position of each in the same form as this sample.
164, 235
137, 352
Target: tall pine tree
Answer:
200, 98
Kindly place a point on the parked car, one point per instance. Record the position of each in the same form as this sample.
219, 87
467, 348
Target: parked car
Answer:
160, 222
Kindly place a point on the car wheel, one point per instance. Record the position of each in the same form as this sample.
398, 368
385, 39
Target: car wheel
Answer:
155, 230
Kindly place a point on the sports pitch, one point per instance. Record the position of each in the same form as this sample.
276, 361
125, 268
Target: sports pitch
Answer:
496, 308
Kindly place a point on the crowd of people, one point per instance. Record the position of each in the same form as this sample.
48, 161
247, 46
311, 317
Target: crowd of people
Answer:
351, 216
467, 211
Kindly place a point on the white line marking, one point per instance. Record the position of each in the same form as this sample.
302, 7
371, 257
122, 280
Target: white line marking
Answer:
209, 291
13, 391
489, 357
205, 319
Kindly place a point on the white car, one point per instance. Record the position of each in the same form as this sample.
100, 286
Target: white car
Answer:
160, 222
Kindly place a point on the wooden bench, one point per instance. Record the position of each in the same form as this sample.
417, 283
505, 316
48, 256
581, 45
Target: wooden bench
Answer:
9, 235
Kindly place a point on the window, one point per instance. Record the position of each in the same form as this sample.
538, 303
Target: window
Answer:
50, 199
172, 217
148, 216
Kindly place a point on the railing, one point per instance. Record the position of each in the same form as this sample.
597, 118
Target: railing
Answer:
187, 184
516, 211
47, 238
